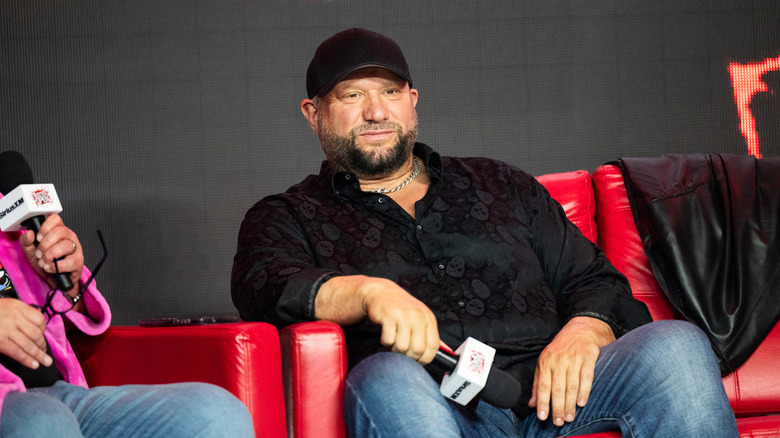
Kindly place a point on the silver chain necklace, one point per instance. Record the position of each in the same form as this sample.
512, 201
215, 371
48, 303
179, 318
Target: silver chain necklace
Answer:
412, 176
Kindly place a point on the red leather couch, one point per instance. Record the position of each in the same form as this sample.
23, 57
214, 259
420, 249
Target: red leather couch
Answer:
243, 358
314, 356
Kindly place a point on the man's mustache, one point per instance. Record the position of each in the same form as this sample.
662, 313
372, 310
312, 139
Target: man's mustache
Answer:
376, 127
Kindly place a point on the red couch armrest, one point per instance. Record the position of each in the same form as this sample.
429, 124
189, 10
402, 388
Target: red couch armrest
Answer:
243, 358
314, 358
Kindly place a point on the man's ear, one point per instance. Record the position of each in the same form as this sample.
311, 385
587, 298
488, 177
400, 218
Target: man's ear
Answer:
309, 110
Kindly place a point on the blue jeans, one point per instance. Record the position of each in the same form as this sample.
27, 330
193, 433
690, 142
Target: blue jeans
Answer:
175, 410
660, 380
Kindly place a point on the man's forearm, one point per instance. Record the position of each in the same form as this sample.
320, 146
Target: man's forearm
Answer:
341, 299
408, 325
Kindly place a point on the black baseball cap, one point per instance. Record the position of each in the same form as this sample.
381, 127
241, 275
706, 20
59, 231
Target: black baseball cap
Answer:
352, 50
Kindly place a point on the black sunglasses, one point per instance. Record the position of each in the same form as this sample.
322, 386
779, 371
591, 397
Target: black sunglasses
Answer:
59, 302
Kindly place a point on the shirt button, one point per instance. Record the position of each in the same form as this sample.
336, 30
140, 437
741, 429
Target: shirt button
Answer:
461, 304
441, 266
347, 177
381, 200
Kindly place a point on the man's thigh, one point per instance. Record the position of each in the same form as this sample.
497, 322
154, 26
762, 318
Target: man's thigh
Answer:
389, 394
661, 379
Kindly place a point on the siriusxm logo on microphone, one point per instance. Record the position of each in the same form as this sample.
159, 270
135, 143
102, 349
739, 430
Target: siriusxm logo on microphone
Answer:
25, 202
11, 208
460, 389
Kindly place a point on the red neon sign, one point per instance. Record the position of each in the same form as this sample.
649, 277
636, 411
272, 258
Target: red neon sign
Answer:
746, 81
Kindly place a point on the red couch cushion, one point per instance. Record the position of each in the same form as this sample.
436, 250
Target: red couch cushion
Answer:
574, 191
243, 358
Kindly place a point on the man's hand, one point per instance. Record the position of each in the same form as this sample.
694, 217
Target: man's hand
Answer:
564, 372
55, 241
21, 333
408, 326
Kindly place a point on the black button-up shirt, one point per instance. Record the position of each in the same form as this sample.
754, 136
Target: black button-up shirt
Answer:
489, 251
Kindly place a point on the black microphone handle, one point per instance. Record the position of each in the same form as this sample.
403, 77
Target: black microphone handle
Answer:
445, 360
62, 279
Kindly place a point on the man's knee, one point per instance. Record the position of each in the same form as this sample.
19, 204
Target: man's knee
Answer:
31, 414
678, 342
664, 356
386, 365
671, 338
388, 377
674, 359
218, 408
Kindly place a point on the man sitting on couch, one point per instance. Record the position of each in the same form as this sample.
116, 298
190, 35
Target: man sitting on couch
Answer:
407, 250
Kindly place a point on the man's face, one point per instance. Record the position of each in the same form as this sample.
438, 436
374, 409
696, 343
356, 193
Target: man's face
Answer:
367, 124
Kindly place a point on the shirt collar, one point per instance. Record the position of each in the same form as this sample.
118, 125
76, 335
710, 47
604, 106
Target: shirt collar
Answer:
340, 179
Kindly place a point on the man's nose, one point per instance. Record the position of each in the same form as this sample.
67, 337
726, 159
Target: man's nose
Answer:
375, 109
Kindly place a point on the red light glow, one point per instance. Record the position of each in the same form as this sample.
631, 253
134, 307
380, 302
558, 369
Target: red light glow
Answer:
746, 81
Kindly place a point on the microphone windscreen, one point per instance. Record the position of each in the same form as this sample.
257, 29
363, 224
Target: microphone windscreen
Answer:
501, 389
14, 171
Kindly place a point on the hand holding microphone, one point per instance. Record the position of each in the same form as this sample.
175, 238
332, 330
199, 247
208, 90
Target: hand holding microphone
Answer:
55, 251
410, 328
52, 248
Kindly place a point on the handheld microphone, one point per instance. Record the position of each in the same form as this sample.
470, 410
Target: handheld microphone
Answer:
25, 204
469, 373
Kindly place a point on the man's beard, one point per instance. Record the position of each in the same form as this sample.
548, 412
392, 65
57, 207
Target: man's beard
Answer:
345, 154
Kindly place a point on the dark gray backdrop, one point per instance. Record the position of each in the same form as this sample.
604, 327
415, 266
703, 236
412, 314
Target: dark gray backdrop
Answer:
162, 122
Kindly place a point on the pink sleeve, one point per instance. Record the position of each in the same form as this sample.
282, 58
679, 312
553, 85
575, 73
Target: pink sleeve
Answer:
98, 316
